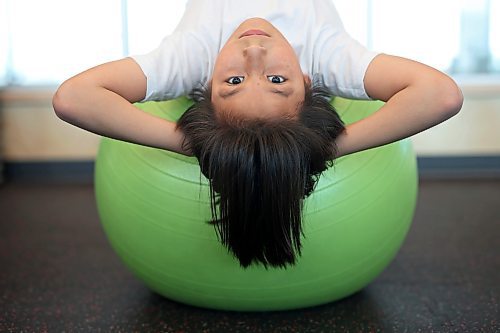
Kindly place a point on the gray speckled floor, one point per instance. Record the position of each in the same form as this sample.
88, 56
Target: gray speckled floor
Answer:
58, 273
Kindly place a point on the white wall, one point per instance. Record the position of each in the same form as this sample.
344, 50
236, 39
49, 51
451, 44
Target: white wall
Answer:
30, 131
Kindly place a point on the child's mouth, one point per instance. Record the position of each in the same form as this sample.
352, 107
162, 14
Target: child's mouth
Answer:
254, 32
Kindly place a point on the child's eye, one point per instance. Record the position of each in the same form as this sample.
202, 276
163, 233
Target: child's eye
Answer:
276, 78
235, 79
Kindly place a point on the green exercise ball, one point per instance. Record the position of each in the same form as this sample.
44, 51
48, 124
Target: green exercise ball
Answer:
154, 207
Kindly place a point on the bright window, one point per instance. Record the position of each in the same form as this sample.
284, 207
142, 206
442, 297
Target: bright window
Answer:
45, 42
52, 39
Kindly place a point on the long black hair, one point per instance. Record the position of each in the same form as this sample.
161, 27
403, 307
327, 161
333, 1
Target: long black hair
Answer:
260, 171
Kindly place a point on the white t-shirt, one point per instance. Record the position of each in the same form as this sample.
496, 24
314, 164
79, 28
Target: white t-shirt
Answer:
185, 59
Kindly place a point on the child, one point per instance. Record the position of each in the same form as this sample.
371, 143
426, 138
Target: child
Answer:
261, 128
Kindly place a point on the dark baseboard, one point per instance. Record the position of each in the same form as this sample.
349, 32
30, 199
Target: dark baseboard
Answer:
459, 167
445, 167
50, 172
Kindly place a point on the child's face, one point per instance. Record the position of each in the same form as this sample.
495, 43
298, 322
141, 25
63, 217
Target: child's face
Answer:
258, 76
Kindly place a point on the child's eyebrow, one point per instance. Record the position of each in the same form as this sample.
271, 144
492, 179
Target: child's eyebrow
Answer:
229, 93
284, 93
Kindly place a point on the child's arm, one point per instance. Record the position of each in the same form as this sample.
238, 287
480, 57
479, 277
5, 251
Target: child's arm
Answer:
99, 100
417, 96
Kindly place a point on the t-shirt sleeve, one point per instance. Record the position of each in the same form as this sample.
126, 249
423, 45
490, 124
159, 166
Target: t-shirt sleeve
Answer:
179, 65
341, 60
184, 59
343, 63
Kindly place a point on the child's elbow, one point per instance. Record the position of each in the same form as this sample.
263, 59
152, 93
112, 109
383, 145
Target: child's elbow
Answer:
451, 99
62, 102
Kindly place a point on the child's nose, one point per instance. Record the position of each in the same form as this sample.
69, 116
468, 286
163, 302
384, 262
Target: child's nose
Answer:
255, 55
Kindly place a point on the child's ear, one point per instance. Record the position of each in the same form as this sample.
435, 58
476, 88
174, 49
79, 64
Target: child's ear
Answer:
307, 80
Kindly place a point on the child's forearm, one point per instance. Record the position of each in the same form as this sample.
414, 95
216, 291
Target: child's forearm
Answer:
99, 100
402, 116
426, 101
103, 112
